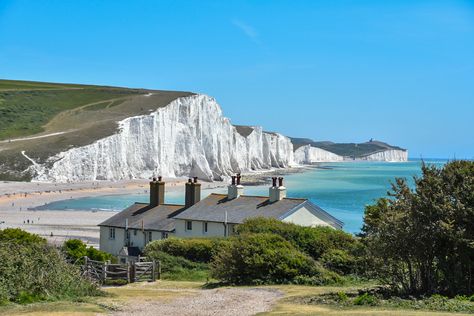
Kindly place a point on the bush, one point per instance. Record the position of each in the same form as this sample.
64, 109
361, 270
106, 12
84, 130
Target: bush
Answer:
37, 271
76, 250
365, 299
314, 241
17, 235
194, 249
178, 268
422, 240
339, 261
262, 259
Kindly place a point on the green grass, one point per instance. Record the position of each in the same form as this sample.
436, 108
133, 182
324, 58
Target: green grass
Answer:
25, 112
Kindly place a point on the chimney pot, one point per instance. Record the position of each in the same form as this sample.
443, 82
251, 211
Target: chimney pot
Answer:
154, 179
160, 178
195, 179
274, 181
189, 180
280, 181
238, 178
233, 180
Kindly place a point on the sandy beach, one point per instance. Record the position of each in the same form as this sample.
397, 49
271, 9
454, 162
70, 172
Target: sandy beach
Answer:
17, 199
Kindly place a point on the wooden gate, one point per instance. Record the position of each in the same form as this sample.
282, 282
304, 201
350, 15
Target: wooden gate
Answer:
102, 272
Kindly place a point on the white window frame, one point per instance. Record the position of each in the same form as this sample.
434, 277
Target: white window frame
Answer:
112, 233
149, 236
164, 235
189, 225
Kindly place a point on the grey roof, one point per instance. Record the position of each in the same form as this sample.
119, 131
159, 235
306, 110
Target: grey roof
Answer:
157, 218
214, 207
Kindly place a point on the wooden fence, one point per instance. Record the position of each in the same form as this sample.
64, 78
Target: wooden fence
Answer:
103, 272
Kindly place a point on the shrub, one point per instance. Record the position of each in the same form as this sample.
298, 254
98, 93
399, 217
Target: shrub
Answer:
194, 249
76, 250
261, 259
314, 241
37, 271
422, 240
178, 268
365, 299
338, 261
17, 235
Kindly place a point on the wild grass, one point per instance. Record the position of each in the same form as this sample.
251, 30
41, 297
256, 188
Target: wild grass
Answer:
24, 112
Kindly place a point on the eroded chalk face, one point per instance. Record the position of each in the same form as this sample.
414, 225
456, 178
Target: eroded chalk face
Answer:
190, 136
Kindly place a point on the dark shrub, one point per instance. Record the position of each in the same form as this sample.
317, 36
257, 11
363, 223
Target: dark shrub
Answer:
194, 249
20, 236
76, 249
36, 271
314, 241
178, 268
261, 259
339, 261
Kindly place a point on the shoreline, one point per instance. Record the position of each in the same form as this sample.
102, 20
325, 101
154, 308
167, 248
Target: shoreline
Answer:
18, 201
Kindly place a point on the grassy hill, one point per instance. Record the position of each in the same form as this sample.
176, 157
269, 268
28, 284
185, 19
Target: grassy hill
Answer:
63, 116
346, 149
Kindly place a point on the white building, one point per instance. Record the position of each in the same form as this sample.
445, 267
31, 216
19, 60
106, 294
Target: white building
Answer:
216, 215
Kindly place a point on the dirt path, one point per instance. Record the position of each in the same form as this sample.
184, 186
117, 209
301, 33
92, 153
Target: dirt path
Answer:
223, 301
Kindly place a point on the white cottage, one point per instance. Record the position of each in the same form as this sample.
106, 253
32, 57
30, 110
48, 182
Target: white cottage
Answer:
216, 215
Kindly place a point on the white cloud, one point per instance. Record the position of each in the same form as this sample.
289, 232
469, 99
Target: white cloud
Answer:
248, 30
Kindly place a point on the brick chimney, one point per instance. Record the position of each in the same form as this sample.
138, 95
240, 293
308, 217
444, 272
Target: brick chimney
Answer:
192, 192
157, 192
235, 189
277, 191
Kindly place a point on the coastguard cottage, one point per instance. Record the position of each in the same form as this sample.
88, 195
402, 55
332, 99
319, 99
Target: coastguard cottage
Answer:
127, 233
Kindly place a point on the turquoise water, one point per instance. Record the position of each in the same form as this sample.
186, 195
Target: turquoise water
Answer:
342, 189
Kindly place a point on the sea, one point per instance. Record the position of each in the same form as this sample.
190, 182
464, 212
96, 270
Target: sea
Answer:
343, 189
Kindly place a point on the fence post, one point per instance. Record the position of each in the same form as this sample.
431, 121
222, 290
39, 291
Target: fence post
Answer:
153, 276
131, 272
159, 269
86, 268
104, 272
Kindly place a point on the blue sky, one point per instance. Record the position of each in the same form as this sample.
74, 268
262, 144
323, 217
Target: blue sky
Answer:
398, 71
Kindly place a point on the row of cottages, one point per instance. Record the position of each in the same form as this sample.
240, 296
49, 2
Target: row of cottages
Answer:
126, 233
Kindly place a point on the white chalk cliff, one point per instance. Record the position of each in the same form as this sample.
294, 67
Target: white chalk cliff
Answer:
308, 154
392, 155
188, 137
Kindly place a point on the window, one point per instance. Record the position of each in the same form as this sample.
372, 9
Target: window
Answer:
164, 235
204, 227
111, 233
149, 236
134, 232
189, 225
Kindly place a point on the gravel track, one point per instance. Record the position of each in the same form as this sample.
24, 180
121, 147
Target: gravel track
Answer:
223, 301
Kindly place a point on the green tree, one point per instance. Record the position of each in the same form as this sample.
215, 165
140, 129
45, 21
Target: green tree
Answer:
422, 240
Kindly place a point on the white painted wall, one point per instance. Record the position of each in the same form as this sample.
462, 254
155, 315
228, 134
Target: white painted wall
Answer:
213, 229
305, 217
112, 246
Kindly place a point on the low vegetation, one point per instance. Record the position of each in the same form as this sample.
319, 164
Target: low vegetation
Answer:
353, 299
256, 256
24, 112
421, 242
75, 251
31, 270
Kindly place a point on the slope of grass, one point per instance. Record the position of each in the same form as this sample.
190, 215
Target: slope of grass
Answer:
24, 112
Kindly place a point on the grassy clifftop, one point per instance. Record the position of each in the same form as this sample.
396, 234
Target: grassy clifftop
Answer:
46, 118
